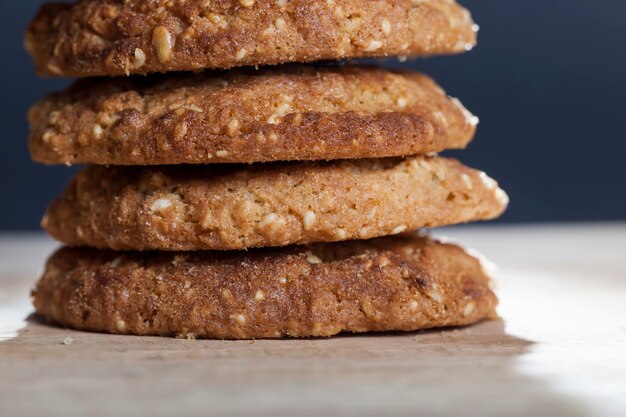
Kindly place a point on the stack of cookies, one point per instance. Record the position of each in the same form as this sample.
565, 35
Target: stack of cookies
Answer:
258, 202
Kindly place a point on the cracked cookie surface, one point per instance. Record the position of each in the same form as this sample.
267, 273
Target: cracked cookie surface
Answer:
223, 207
280, 114
115, 37
400, 283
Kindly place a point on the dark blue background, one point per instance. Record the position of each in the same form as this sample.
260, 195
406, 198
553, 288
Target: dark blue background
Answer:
548, 81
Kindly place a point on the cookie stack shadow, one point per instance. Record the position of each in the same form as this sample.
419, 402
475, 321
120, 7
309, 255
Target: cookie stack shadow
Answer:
282, 201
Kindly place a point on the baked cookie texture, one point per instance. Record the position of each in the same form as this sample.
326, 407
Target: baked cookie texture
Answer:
117, 37
400, 283
223, 207
281, 114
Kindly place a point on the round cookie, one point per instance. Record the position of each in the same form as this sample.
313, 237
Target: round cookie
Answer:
114, 37
282, 114
401, 283
222, 207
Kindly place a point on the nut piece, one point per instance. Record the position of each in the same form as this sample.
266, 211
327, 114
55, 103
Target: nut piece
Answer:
241, 54
121, 325
341, 234
312, 259
309, 220
399, 229
161, 204
140, 58
239, 318
97, 131
386, 27
162, 41
247, 3
233, 127
280, 23
373, 45
469, 309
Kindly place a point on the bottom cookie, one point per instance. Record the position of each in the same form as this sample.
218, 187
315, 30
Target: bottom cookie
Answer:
399, 283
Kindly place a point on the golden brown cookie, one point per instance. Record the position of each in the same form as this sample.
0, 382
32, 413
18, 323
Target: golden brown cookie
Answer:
400, 283
282, 114
223, 207
115, 37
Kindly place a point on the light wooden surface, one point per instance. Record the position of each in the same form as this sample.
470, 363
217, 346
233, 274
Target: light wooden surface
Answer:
559, 351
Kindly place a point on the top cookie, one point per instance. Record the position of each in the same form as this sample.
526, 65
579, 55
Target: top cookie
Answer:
116, 37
